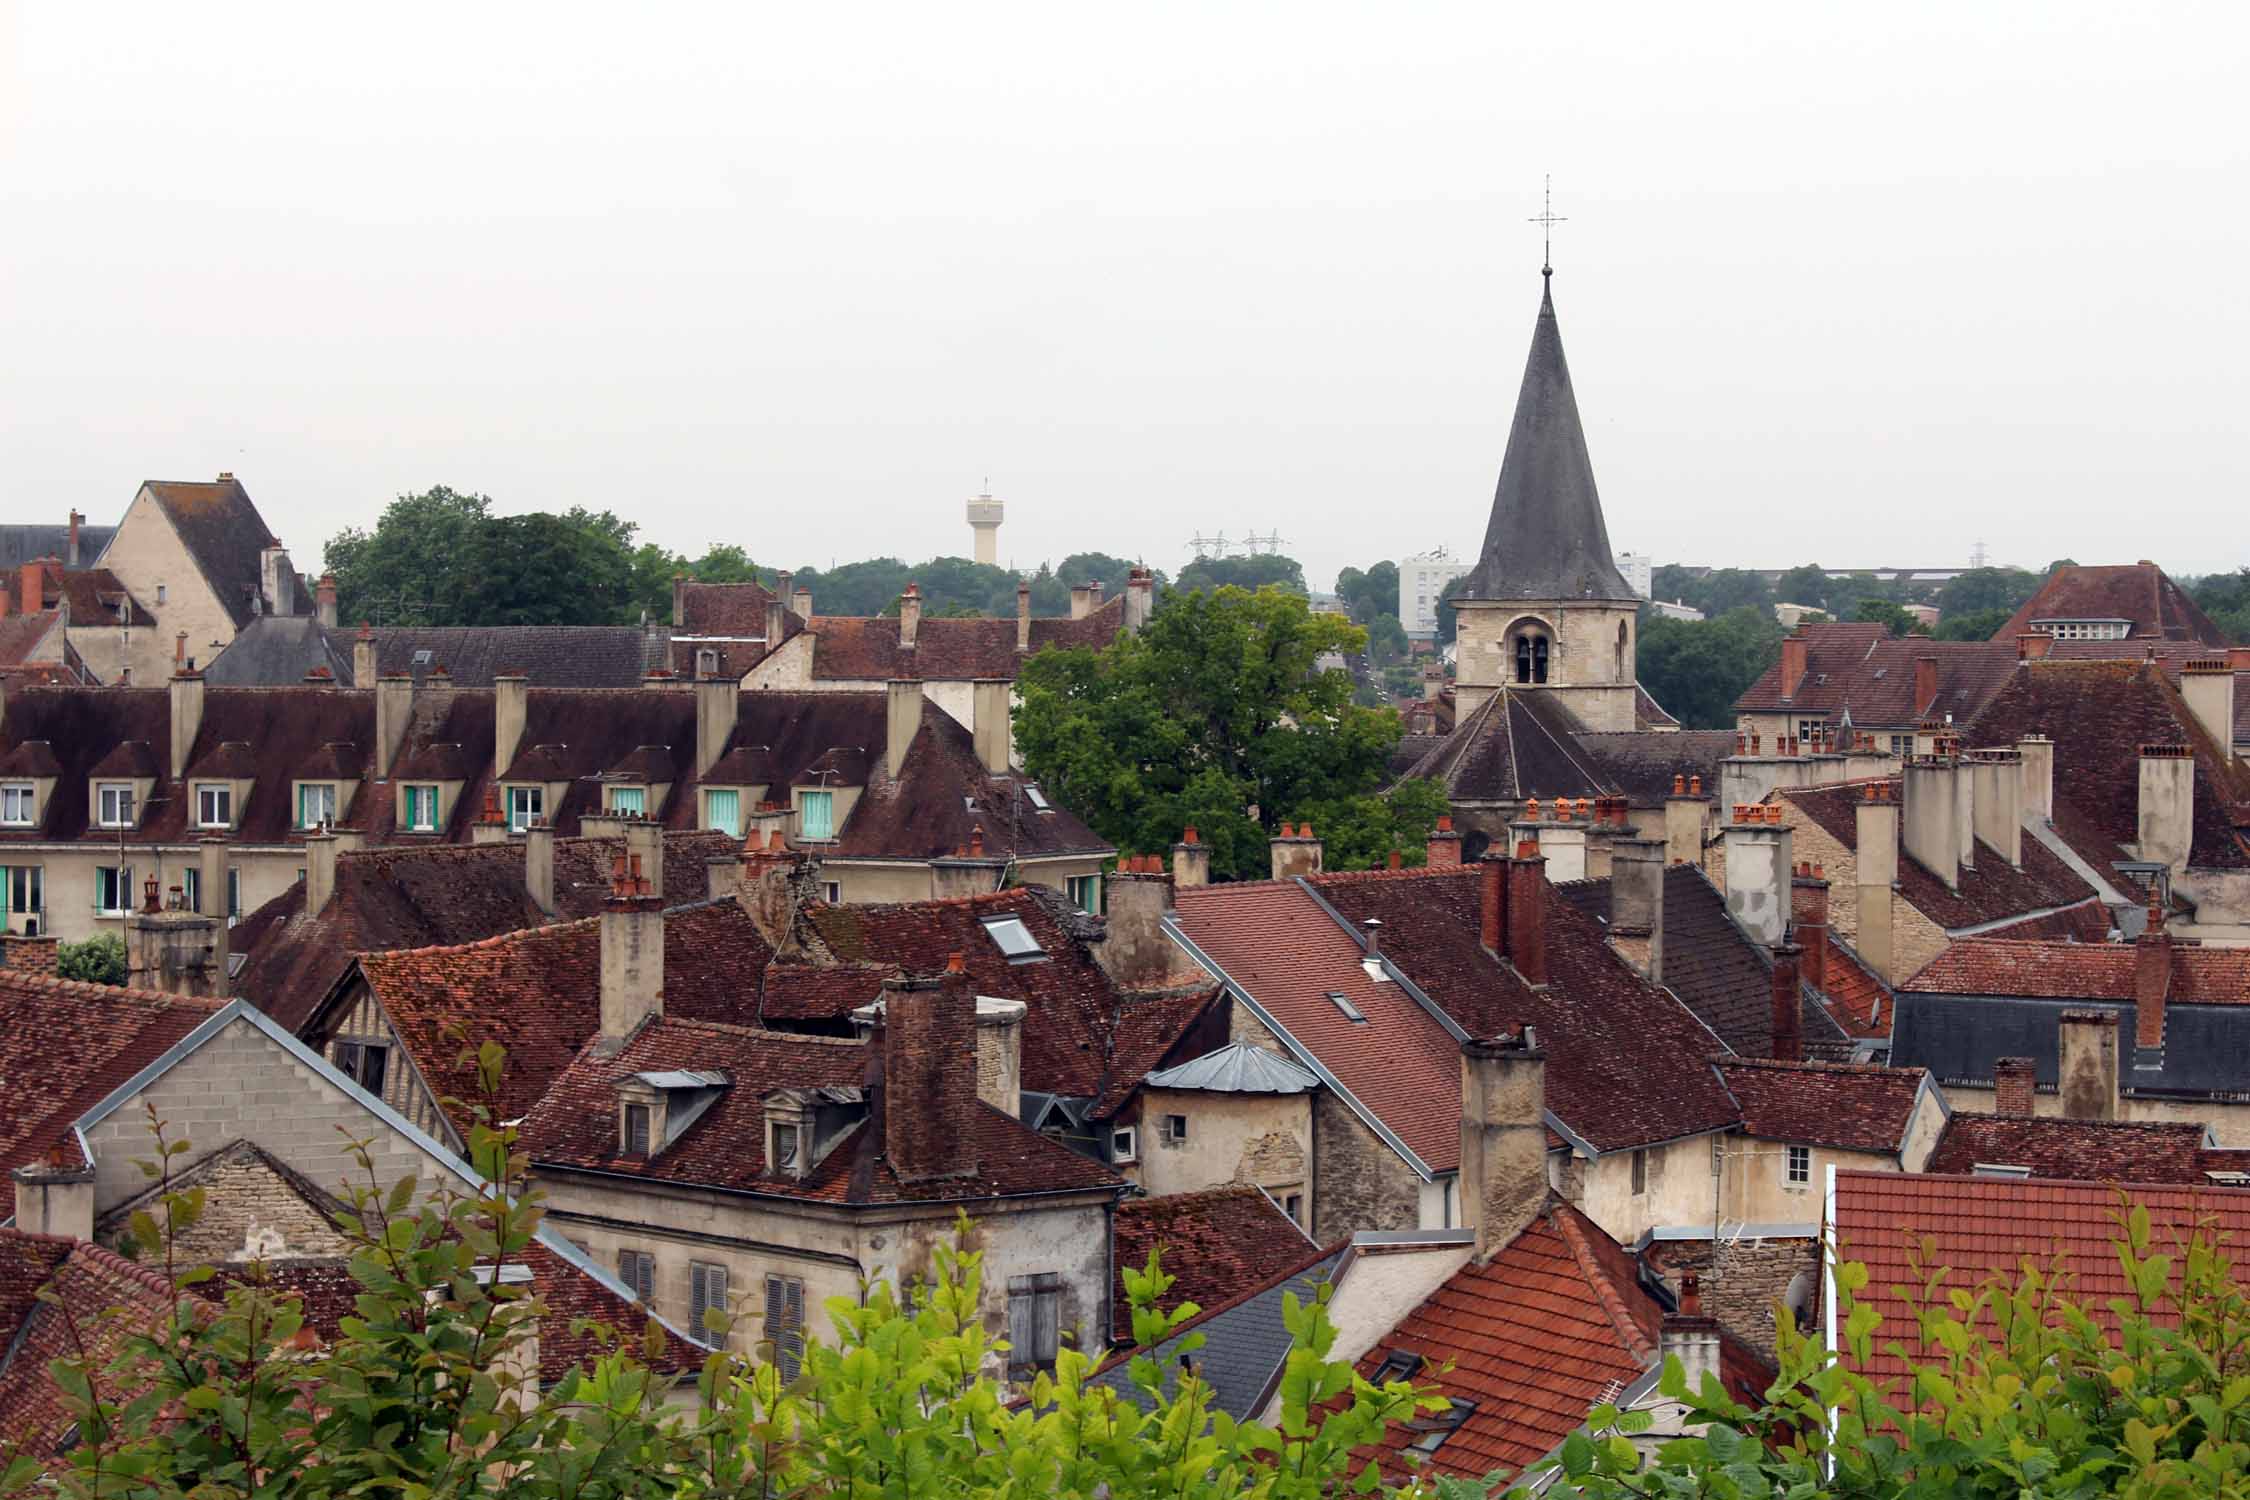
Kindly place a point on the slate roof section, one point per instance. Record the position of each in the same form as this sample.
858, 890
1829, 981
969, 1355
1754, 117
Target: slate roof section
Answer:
1523, 744
1626, 1062
2099, 714
1991, 892
1238, 1068
2081, 1150
65, 1047
1245, 1341
1844, 1106
1642, 764
86, 1282
1218, 1244
574, 1124
1957, 1037
1546, 538
1999, 966
2140, 592
225, 536
1981, 1227
28, 542
430, 896
20, 635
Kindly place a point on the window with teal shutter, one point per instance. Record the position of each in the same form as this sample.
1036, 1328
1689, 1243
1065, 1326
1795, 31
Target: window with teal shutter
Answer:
421, 808
723, 811
628, 799
818, 815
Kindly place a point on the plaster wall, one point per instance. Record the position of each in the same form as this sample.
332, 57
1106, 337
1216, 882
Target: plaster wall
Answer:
1678, 1187
1262, 1138
146, 554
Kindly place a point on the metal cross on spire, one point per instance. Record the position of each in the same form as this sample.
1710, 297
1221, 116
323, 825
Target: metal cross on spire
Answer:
1547, 219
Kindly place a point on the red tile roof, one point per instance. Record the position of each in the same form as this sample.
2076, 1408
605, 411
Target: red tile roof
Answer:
2081, 971
1873, 677
1547, 1328
1903, 1226
100, 1300
2087, 1150
575, 1123
1219, 1244
2140, 592
866, 649
1846, 1106
1626, 1062
66, 1046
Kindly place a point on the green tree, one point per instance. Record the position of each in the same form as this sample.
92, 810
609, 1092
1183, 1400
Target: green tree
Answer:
1982, 589
543, 569
1266, 570
99, 959
1089, 567
2225, 597
1216, 716
1370, 594
1803, 585
1892, 617
413, 568
1981, 626
1697, 668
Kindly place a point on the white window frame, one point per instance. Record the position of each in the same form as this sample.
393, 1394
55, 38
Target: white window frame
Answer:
832, 891
1796, 1166
426, 793
224, 793
19, 804
123, 875
526, 806
1125, 1145
113, 804
31, 882
618, 792
316, 787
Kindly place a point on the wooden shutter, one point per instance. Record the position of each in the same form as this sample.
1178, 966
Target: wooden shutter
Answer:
637, 1269
785, 1322
698, 1296
1046, 1331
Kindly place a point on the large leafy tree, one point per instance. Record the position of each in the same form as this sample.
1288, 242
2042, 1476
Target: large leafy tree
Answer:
1266, 570
1219, 716
413, 568
1697, 668
1982, 589
1370, 594
2225, 597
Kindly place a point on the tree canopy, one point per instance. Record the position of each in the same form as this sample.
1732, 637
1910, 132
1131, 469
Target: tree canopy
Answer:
1696, 668
1264, 570
1218, 716
1369, 594
1985, 589
2225, 597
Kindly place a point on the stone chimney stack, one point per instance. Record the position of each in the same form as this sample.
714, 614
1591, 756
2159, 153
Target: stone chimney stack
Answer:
1191, 861
801, 604
2035, 755
1140, 599
930, 1076
1081, 601
909, 617
2207, 683
771, 889
1636, 897
989, 708
363, 659
1000, 1054
324, 601
1996, 801
1758, 846
71, 556
1444, 851
539, 865
2086, 1063
2167, 805
1874, 871
320, 870
1023, 617
1503, 1138
718, 700
187, 708
2014, 1081
171, 948
1295, 851
279, 579
1933, 835
1134, 951
632, 953
902, 720
55, 1197
1690, 1337
394, 708
1684, 814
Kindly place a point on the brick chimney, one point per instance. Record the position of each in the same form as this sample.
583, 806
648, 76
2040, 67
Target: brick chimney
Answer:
34, 592
1444, 845
1788, 1006
1191, 861
2152, 980
2031, 645
1925, 684
632, 953
1793, 662
324, 600
1874, 871
909, 617
1527, 914
1295, 851
1503, 1137
930, 1075
2014, 1080
2167, 805
1690, 1337
2086, 1063
1492, 903
1808, 919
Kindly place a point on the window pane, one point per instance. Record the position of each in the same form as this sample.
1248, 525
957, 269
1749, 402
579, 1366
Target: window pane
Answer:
723, 811
628, 799
819, 815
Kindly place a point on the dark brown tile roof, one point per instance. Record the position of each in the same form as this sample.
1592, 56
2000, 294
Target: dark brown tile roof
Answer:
2080, 971
1643, 764
860, 648
224, 534
1218, 1243
1859, 669
575, 1124
2099, 714
1847, 1106
946, 800
820, 992
20, 635
66, 1046
2140, 592
1513, 746
98, 597
429, 896
1991, 892
95, 1302
2087, 1150
2169, 655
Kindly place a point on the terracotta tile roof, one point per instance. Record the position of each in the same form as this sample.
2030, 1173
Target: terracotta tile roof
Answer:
66, 1046
430, 896
1536, 1336
820, 992
1855, 997
1873, 678
224, 535
2169, 655
1847, 1106
2080, 971
1220, 1243
2099, 714
1082, 1038
2084, 1150
1990, 892
2140, 592
866, 649
1980, 1227
575, 1123
1625, 1061
97, 597
86, 1283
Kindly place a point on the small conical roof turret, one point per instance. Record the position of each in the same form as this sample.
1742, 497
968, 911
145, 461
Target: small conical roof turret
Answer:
1546, 538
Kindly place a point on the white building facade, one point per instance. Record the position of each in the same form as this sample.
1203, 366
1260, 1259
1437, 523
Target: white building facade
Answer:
1421, 583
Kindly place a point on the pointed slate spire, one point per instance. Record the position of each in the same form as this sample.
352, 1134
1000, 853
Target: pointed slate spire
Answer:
1546, 539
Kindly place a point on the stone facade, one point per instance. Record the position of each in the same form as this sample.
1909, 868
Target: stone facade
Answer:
1745, 1279
1359, 1182
1265, 1139
252, 1211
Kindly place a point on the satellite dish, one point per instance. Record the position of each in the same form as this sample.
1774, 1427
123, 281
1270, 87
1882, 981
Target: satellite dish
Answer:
1799, 1299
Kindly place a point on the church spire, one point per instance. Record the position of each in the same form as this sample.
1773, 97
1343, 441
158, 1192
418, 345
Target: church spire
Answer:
1546, 538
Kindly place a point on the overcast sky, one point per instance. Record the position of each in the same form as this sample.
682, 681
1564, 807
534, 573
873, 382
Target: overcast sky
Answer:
1859, 285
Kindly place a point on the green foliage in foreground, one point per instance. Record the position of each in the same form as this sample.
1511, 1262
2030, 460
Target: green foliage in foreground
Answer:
2016, 1391
99, 959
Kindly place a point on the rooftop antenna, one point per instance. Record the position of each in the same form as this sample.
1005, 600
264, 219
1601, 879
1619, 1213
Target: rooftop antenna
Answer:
1547, 219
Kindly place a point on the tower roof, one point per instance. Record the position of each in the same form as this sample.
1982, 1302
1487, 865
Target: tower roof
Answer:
1546, 539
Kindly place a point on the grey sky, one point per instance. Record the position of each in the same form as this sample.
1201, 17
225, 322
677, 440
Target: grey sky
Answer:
1850, 284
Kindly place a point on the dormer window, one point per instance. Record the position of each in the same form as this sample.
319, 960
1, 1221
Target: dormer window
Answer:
629, 799
786, 1149
634, 1135
722, 811
526, 806
316, 804
114, 804
422, 809
214, 807
19, 805
817, 815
